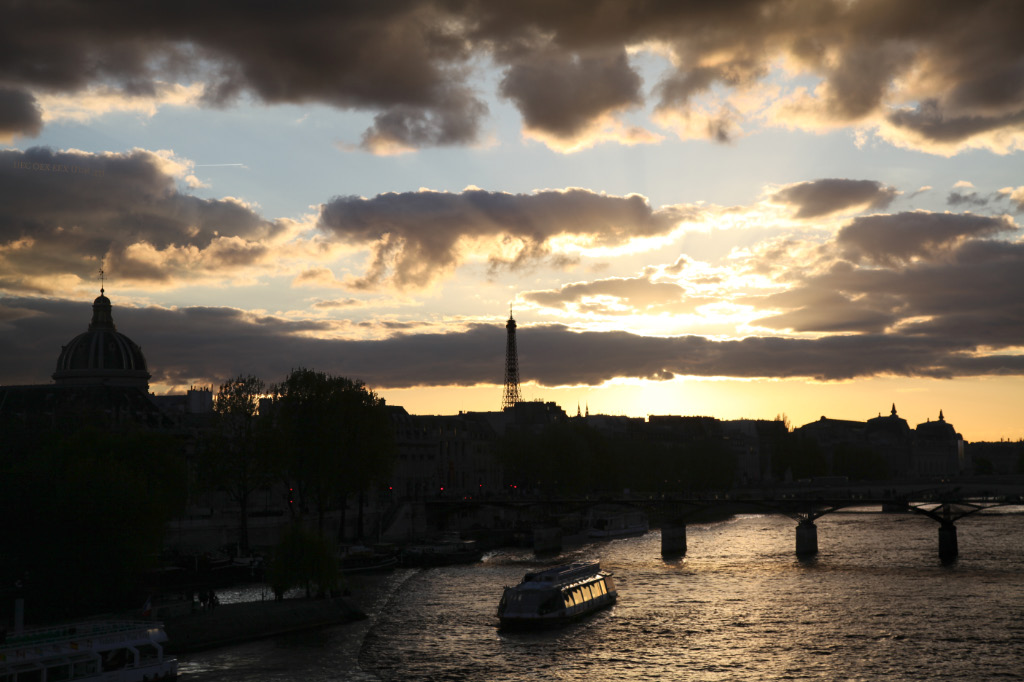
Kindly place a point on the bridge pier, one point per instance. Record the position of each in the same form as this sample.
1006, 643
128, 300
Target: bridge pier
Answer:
673, 539
948, 548
806, 538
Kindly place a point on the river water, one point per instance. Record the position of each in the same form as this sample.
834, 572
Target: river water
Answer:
875, 604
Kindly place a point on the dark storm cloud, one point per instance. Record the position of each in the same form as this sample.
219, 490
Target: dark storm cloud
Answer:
970, 298
415, 236
19, 113
404, 59
412, 61
562, 94
887, 239
67, 212
197, 345
823, 197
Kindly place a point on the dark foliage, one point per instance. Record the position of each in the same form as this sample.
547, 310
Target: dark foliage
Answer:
86, 516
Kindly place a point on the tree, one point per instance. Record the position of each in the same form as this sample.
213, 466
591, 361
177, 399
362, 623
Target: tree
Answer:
92, 508
336, 437
237, 458
305, 559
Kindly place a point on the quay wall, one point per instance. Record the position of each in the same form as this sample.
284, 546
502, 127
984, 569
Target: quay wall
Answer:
235, 623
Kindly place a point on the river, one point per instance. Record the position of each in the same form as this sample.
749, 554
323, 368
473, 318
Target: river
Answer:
874, 604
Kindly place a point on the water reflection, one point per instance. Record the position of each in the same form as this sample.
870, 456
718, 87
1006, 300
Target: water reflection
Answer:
875, 603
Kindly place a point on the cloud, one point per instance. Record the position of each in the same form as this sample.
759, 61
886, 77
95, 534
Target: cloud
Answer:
825, 197
19, 114
618, 296
889, 239
68, 213
98, 100
969, 297
824, 310
970, 199
941, 81
207, 345
561, 94
405, 60
1015, 195
417, 238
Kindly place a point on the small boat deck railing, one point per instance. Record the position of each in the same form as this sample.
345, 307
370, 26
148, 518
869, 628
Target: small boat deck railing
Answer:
77, 632
564, 574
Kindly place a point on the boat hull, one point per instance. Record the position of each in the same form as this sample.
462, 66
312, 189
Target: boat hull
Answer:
550, 622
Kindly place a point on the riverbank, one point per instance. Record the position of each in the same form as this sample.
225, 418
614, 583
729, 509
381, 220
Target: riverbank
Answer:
234, 623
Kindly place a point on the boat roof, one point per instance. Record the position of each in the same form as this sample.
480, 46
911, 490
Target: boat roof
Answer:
566, 573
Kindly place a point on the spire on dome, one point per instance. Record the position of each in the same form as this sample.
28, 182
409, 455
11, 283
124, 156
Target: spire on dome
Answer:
102, 317
941, 418
893, 414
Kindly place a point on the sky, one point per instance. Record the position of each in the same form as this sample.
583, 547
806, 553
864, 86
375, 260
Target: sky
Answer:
740, 209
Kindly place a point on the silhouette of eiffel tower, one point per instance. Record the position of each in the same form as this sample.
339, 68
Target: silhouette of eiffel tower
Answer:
511, 395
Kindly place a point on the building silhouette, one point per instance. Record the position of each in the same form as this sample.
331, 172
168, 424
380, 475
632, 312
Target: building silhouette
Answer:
931, 449
101, 380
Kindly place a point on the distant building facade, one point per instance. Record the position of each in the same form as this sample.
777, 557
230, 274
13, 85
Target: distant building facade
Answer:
932, 449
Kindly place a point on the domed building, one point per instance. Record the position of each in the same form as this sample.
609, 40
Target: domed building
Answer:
892, 437
938, 449
102, 356
101, 381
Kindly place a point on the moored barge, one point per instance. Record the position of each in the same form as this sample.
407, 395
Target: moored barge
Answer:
108, 650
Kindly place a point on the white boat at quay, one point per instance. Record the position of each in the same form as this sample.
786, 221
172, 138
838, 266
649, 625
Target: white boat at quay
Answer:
617, 524
556, 596
100, 650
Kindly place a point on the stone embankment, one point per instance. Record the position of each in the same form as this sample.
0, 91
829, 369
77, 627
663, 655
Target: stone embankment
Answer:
235, 623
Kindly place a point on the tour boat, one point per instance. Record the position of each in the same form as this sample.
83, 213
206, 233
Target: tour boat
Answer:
556, 596
102, 650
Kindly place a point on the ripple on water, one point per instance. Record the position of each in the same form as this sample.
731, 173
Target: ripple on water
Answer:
876, 604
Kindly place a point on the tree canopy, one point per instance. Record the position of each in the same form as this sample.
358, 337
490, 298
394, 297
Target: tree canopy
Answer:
334, 434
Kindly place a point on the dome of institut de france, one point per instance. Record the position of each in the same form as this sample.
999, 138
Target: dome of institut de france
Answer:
102, 355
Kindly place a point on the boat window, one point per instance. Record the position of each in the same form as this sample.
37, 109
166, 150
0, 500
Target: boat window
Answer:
58, 673
147, 652
600, 587
550, 604
85, 668
30, 676
588, 594
115, 660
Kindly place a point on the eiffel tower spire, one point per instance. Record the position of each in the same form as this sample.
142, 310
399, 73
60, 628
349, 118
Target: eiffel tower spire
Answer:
511, 395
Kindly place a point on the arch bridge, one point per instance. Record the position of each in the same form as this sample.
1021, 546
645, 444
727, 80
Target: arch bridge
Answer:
674, 512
